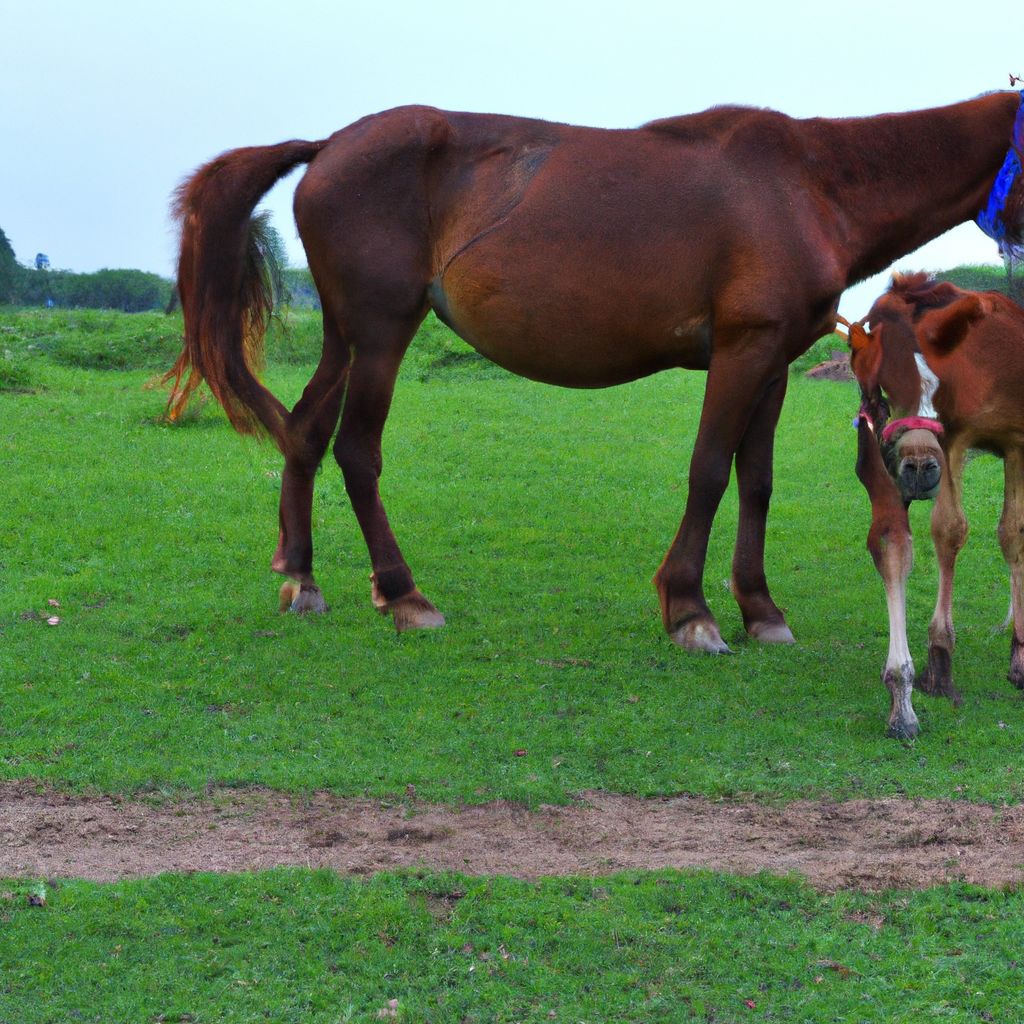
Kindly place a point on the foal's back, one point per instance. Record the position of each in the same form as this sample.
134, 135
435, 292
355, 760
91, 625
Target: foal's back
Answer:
975, 346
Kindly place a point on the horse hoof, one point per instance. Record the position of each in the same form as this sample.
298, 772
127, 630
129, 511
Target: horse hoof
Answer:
700, 635
903, 729
414, 611
302, 600
771, 633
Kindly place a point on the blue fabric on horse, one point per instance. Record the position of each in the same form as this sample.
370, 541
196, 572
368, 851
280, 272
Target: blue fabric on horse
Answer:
990, 220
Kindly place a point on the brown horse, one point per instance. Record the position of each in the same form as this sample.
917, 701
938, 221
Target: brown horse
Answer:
582, 257
974, 344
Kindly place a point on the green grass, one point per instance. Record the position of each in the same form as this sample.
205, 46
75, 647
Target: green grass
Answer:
311, 947
534, 518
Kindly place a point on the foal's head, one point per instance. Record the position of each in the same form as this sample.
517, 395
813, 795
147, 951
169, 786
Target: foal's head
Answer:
895, 381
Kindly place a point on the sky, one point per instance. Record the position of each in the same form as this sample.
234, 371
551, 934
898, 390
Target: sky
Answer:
107, 105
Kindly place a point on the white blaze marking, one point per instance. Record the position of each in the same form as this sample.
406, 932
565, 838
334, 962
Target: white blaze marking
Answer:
929, 385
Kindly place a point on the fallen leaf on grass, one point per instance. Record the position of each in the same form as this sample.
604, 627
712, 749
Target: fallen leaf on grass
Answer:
832, 965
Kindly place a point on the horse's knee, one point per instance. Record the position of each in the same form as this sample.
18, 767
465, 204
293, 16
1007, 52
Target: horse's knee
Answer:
360, 462
756, 495
949, 533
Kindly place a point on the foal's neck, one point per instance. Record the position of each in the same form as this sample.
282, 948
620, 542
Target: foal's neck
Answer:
897, 181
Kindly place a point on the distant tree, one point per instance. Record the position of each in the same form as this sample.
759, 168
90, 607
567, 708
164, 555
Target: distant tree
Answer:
10, 271
302, 293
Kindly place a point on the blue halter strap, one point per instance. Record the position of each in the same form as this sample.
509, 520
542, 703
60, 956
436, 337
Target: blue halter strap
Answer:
990, 220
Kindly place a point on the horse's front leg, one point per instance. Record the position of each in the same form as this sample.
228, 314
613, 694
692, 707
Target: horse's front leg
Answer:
891, 546
1011, 540
744, 369
761, 616
949, 533
309, 431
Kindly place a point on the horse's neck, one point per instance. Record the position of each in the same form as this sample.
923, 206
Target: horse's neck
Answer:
900, 180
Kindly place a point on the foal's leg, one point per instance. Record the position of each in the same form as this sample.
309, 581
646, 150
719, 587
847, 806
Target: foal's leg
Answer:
761, 616
740, 377
949, 533
892, 549
309, 429
379, 346
1011, 539
891, 545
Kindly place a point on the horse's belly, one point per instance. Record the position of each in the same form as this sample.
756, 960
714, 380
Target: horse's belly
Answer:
573, 329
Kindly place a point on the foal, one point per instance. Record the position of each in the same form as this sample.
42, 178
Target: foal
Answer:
973, 342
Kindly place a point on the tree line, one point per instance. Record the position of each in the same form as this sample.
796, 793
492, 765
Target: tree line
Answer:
131, 291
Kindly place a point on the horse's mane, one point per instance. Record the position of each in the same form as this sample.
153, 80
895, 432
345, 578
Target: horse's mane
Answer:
923, 289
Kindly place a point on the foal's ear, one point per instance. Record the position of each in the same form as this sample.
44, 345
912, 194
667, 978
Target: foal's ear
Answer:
946, 329
866, 355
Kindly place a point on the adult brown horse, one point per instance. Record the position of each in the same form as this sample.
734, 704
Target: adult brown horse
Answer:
719, 241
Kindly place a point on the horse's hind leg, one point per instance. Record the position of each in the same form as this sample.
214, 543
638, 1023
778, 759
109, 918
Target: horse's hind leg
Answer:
379, 345
310, 426
1011, 539
761, 616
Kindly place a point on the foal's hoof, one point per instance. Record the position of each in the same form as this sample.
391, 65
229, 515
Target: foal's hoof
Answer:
771, 633
1016, 673
937, 679
903, 728
298, 599
700, 635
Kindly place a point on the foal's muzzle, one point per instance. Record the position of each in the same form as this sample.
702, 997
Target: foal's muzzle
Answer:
916, 465
919, 478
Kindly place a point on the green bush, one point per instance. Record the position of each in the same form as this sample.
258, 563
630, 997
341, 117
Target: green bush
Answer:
94, 339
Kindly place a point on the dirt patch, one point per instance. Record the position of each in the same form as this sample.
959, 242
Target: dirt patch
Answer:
861, 844
835, 368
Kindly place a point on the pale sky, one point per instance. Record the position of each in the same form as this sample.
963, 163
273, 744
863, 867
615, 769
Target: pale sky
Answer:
108, 104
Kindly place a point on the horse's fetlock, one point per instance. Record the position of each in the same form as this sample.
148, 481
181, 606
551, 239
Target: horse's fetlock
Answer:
393, 583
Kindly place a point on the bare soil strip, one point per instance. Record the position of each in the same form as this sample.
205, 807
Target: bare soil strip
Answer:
860, 844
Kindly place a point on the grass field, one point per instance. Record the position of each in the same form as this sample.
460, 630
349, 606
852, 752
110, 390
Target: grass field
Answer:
534, 519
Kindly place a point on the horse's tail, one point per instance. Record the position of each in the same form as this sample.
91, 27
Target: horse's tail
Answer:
225, 283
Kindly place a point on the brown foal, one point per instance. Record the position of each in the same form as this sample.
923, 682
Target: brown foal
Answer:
973, 342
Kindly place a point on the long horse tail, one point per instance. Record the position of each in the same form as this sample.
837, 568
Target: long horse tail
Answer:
225, 282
